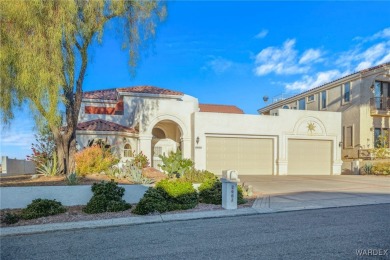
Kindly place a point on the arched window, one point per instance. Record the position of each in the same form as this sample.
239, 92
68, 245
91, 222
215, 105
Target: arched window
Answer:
127, 151
286, 107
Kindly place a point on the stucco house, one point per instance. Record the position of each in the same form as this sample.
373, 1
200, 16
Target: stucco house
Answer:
216, 137
363, 99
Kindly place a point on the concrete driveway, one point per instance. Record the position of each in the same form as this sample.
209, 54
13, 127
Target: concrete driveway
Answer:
279, 193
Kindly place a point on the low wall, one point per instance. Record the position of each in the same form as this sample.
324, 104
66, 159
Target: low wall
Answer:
15, 166
20, 197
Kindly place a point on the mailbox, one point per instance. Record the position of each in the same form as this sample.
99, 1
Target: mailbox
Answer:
229, 189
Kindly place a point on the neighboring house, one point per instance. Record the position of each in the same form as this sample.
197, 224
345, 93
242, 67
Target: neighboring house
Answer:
363, 98
155, 121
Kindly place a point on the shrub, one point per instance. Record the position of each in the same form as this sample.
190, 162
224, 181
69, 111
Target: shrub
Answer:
93, 159
210, 192
167, 196
381, 168
42, 208
140, 160
107, 197
181, 195
10, 218
174, 165
152, 201
197, 176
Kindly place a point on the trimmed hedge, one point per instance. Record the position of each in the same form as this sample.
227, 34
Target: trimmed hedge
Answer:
168, 195
210, 192
107, 197
42, 208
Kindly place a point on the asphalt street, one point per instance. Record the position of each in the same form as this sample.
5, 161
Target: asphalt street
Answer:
337, 233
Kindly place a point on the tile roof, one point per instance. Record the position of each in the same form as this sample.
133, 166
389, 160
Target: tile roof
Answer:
220, 109
150, 90
103, 125
112, 94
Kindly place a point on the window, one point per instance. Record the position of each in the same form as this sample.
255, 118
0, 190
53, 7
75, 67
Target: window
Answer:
310, 98
286, 107
347, 92
323, 99
127, 151
381, 138
302, 104
348, 137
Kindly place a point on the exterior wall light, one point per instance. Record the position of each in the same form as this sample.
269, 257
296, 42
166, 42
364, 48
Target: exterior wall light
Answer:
340, 144
197, 140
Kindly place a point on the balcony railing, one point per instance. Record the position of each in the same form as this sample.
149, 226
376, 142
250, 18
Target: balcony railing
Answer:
380, 105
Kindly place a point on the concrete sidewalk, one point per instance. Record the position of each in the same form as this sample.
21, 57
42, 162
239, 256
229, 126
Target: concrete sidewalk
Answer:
279, 194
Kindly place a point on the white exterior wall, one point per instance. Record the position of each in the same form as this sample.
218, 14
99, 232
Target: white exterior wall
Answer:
288, 124
147, 110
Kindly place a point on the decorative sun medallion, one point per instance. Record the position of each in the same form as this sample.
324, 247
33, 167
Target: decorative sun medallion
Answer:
311, 127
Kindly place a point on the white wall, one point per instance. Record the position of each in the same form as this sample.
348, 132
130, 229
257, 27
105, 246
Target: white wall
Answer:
288, 124
20, 197
15, 166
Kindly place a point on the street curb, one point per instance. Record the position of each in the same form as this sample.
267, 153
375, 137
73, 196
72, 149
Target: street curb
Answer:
130, 221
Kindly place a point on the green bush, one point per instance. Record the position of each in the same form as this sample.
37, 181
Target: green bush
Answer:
10, 218
174, 165
152, 201
210, 192
107, 197
42, 208
168, 195
197, 176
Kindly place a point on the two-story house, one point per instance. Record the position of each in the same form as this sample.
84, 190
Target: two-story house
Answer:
363, 98
155, 121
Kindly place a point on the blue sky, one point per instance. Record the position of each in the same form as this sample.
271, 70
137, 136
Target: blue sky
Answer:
237, 52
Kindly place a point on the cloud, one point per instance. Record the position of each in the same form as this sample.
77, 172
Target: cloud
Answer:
279, 60
363, 57
18, 139
219, 65
311, 55
261, 34
308, 82
367, 52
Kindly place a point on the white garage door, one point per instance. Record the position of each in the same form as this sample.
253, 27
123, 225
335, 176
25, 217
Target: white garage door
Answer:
249, 156
309, 157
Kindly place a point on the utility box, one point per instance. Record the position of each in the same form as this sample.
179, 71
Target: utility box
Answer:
229, 189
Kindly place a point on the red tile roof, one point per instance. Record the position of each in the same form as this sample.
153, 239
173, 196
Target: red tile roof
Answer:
112, 94
220, 109
150, 90
103, 125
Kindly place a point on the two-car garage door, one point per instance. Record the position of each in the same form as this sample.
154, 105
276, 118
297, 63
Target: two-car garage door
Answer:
255, 156
249, 156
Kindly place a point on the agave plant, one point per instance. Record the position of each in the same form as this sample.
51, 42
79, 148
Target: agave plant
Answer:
72, 179
50, 168
137, 177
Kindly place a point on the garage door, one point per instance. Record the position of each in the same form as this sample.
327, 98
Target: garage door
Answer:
309, 157
249, 156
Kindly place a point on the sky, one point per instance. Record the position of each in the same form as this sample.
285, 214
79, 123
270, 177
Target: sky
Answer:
237, 52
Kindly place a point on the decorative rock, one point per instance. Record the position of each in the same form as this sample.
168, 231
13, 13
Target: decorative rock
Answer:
34, 176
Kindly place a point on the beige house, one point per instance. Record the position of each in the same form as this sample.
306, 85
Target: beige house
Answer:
155, 121
363, 98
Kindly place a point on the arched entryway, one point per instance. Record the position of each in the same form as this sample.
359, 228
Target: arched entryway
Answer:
167, 137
